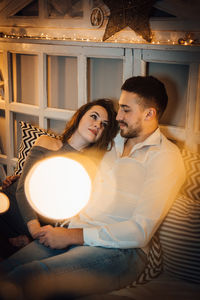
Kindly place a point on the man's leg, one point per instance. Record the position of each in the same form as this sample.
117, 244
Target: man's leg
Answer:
79, 271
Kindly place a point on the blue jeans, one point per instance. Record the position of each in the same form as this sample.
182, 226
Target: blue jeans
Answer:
77, 270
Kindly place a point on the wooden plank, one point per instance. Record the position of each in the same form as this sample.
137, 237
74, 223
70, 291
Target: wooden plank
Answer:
171, 56
58, 114
24, 108
191, 107
139, 64
42, 89
8, 115
173, 132
82, 80
127, 64
60, 45
2, 104
15, 6
179, 8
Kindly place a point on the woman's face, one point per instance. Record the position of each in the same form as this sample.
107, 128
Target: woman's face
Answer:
92, 124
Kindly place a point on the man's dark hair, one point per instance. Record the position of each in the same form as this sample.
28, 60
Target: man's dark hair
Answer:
151, 91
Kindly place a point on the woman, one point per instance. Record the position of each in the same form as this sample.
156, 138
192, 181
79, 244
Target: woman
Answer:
93, 126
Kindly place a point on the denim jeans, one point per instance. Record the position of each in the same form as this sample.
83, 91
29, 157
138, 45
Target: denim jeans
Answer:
77, 270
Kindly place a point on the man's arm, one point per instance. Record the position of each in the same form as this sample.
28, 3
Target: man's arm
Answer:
60, 237
164, 176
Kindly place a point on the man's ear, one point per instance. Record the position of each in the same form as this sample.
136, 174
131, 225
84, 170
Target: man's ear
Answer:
150, 113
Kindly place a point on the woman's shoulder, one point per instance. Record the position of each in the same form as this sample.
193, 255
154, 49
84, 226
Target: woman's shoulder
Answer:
48, 142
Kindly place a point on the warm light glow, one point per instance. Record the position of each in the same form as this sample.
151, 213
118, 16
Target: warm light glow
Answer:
58, 187
187, 40
4, 203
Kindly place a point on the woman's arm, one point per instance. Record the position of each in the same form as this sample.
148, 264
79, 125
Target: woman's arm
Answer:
40, 150
9, 180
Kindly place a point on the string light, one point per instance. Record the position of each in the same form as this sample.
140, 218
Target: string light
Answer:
188, 40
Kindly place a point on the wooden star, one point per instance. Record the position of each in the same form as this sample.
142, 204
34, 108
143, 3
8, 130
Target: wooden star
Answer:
132, 13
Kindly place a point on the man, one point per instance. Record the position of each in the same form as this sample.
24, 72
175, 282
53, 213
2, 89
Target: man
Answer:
133, 191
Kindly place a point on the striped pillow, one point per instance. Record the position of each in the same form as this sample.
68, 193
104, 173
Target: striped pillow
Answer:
191, 187
154, 264
176, 246
29, 135
180, 239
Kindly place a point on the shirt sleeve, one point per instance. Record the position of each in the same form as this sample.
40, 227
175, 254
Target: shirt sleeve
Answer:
35, 154
164, 176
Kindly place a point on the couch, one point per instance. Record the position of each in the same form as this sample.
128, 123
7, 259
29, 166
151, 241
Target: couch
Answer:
173, 269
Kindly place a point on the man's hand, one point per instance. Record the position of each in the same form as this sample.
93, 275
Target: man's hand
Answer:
34, 228
9, 180
60, 237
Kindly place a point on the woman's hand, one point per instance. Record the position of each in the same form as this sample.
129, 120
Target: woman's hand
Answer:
19, 241
9, 180
34, 228
60, 237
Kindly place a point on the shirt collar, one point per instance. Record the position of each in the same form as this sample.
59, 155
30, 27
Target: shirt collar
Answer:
153, 139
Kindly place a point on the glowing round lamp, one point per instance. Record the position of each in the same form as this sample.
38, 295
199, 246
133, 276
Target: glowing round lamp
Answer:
4, 203
58, 187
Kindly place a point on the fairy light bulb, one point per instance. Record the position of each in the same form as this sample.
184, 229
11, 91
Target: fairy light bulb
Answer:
4, 203
58, 187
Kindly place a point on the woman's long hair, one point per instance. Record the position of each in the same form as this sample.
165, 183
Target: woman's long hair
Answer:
105, 142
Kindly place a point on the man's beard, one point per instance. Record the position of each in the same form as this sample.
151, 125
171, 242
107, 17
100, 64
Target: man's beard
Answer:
130, 133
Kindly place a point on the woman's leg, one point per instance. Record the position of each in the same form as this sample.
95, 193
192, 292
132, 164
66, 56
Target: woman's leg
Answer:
32, 252
79, 270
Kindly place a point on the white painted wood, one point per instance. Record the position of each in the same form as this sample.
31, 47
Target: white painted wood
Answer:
24, 108
171, 25
197, 115
3, 158
45, 45
128, 64
191, 107
82, 80
2, 104
58, 114
173, 56
14, 78
42, 89
174, 133
15, 6
8, 115
42, 9
182, 9
139, 68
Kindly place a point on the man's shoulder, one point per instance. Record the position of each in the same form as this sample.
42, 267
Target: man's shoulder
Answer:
168, 155
168, 144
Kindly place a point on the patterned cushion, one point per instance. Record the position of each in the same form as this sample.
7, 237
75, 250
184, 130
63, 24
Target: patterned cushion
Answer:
183, 224
191, 187
180, 239
180, 231
29, 135
154, 261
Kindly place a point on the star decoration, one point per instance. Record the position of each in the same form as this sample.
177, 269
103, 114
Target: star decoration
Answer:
132, 13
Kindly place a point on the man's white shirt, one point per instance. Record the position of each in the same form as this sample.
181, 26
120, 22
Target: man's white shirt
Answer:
131, 195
